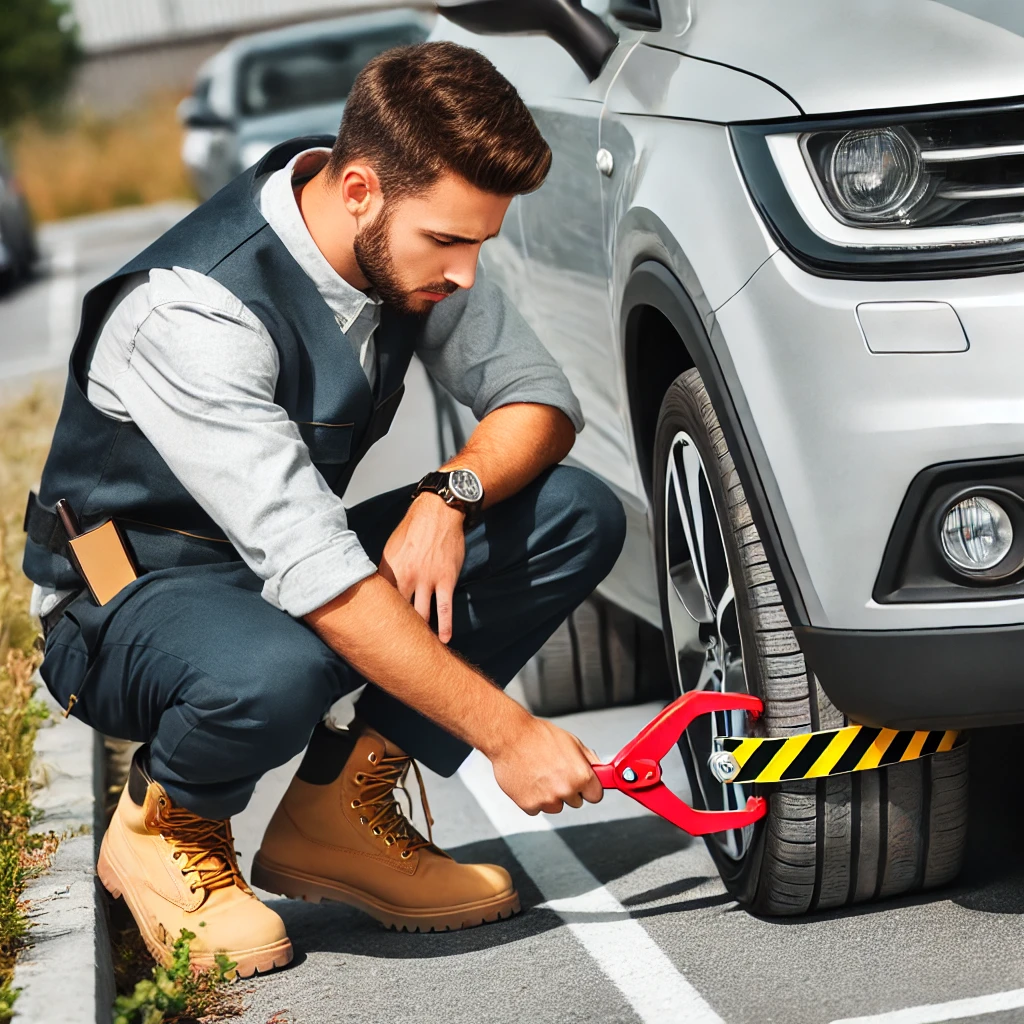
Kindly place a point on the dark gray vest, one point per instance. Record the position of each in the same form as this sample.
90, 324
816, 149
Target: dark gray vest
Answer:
109, 469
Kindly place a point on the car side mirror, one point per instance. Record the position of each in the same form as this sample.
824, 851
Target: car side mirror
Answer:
586, 38
196, 113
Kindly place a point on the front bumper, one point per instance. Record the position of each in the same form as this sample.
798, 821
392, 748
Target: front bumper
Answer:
838, 432
921, 679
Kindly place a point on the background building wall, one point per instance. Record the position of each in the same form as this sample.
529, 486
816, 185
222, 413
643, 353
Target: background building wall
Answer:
136, 47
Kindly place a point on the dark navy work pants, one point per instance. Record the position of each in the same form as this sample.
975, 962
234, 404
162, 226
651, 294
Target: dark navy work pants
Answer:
224, 687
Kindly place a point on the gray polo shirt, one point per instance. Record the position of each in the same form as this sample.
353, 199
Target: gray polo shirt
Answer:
196, 371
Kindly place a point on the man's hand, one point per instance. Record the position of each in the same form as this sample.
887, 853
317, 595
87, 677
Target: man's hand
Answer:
423, 558
545, 767
540, 766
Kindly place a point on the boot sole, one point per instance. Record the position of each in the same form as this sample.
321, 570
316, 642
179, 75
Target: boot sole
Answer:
258, 960
297, 885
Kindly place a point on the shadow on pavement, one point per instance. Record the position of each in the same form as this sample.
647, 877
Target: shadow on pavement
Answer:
609, 850
993, 877
338, 928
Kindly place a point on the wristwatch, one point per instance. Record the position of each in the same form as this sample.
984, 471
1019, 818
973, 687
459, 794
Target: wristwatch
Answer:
460, 488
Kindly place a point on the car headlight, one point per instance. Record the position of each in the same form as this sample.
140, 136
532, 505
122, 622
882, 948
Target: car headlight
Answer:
875, 176
895, 196
253, 152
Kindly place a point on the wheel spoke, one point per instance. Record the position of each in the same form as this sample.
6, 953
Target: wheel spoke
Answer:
702, 607
694, 522
683, 565
710, 674
726, 608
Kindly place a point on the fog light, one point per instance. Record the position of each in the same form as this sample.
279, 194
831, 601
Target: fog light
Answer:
976, 534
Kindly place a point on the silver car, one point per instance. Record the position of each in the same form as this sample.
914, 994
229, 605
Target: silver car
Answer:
266, 88
779, 257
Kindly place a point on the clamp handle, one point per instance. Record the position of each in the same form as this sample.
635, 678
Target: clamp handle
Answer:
636, 769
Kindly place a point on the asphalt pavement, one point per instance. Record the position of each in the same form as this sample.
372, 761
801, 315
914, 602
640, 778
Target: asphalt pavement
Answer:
624, 917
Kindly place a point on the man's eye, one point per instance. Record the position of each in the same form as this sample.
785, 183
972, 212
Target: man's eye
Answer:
443, 241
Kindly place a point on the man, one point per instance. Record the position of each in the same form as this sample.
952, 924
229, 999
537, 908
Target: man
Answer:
223, 387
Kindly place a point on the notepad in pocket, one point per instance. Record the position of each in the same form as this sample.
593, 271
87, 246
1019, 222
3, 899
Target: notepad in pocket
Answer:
102, 559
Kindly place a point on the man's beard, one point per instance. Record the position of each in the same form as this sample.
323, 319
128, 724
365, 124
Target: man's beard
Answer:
373, 254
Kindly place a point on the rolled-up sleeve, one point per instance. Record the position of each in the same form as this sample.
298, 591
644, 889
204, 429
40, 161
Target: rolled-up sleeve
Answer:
478, 347
198, 380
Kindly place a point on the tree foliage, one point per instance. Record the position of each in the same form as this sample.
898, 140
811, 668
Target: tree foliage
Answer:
38, 51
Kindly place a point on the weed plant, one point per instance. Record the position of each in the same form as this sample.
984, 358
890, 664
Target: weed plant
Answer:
177, 992
25, 430
83, 163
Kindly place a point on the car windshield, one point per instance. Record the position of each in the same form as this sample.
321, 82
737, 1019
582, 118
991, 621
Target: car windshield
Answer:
312, 72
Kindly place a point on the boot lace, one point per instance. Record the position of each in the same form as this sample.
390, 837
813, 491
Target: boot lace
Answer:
206, 844
377, 791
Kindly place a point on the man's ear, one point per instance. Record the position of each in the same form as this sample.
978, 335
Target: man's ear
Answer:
360, 188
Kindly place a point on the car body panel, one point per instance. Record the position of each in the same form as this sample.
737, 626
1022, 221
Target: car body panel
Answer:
660, 83
833, 56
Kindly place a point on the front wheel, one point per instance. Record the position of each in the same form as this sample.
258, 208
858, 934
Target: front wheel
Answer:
824, 843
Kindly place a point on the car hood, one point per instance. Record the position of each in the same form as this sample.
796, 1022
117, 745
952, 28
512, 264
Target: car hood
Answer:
274, 128
833, 56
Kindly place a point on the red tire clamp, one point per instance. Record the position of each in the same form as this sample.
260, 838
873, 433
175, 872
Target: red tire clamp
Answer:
636, 769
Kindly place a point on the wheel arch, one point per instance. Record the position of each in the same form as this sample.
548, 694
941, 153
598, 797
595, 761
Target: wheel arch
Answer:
663, 335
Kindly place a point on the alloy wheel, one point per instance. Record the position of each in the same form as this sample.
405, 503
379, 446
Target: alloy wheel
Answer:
703, 623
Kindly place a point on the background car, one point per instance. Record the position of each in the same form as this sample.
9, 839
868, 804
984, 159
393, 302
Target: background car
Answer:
18, 248
272, 86
779, 256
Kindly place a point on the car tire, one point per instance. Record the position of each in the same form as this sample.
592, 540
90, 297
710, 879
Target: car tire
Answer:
825, 843
601, 656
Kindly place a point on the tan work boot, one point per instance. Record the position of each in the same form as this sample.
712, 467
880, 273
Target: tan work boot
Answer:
176, 870
348, 840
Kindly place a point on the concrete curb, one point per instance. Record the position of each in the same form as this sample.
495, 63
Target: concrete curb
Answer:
66, 974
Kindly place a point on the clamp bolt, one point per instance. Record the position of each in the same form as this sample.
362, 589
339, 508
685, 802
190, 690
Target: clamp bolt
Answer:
723, 766
629, 775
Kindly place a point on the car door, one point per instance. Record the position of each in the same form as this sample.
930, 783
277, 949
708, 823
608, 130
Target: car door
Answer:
550, 257
567, 301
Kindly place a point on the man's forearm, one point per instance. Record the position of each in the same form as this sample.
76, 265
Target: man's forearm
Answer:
512, 445
382, 637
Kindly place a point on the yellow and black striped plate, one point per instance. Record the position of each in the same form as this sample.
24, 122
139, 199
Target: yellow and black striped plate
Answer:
813, 755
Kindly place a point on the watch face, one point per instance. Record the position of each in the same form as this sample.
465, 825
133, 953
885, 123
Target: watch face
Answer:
465, 484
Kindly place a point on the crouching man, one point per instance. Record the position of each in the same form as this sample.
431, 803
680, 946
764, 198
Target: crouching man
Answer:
223, 387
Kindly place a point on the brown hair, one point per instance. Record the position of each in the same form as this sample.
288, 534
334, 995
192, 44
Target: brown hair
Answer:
417, 111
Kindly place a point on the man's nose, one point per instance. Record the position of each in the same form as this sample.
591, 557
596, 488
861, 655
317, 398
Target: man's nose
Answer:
462, 269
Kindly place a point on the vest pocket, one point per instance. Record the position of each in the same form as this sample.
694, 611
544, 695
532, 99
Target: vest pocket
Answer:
328, 443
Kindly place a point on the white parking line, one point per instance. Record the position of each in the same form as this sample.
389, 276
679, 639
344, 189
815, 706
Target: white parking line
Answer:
626, 954
936, 1012
63, 313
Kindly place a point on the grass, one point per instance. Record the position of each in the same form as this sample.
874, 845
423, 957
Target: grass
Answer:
177, 992
25, 430
148, 994
85, 163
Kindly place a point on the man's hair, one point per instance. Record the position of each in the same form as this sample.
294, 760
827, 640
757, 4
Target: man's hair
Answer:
415, 112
